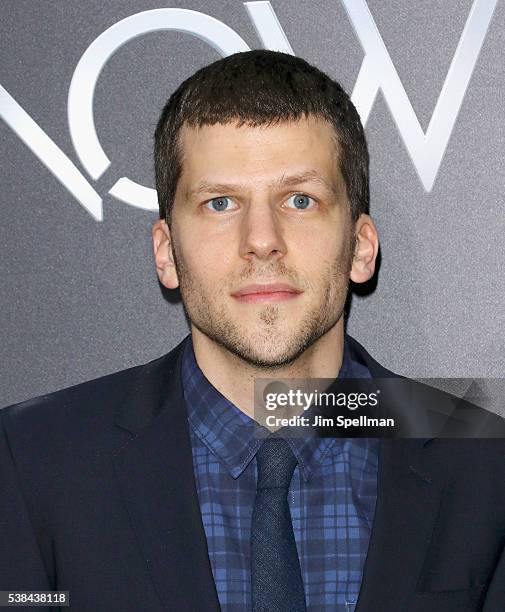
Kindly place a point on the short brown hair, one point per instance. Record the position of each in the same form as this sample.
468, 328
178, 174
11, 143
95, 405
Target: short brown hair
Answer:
260, 88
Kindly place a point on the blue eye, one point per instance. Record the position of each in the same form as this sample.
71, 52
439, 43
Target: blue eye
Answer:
300, 201
219, 204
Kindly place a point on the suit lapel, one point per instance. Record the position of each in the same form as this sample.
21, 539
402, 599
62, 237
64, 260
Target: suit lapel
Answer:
156, 478
410, 483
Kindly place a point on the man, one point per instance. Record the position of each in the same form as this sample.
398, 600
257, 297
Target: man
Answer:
150, 489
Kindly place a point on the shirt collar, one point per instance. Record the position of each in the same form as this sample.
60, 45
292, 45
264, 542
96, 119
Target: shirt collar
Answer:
232, 436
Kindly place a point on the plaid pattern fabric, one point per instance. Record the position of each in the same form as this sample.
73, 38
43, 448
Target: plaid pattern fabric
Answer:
332, 497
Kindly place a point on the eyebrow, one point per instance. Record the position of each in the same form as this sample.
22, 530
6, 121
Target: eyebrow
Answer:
308, 176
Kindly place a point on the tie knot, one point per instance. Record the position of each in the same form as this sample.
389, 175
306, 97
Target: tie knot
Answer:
276, 464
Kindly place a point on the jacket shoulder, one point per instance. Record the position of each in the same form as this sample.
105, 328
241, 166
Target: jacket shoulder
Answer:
91, 402
421, 406
92, 396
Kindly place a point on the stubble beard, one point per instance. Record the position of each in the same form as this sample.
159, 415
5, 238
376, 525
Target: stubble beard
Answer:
275, 345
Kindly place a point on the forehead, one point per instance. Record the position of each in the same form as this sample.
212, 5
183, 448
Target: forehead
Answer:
260, 152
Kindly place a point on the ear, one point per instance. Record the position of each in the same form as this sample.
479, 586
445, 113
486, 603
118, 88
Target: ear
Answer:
366, 249
163, 255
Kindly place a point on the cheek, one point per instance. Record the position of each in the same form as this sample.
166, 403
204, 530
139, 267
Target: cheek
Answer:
325, 262
317, 249
207, 267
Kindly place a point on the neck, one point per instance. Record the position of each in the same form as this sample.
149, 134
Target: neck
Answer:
234, 377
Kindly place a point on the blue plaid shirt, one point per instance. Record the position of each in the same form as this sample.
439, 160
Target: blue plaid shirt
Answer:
332, 497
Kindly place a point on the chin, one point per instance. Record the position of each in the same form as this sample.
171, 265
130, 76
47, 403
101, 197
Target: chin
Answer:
267, 355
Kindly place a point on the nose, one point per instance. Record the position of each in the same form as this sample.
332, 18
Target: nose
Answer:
261, 235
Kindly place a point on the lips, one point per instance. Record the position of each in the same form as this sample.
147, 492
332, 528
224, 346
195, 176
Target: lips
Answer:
271, 292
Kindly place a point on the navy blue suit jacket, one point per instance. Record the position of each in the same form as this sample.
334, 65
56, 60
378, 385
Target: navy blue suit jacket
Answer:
98, 497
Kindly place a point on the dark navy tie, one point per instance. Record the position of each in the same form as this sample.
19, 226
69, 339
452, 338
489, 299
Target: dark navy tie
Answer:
276, 577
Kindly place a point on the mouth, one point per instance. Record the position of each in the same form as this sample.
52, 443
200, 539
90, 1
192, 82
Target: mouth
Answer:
263, 292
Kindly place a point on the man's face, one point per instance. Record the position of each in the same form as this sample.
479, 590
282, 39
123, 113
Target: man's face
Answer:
262, 209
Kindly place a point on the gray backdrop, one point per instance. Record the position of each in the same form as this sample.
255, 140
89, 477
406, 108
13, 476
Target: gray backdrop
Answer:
79, 297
